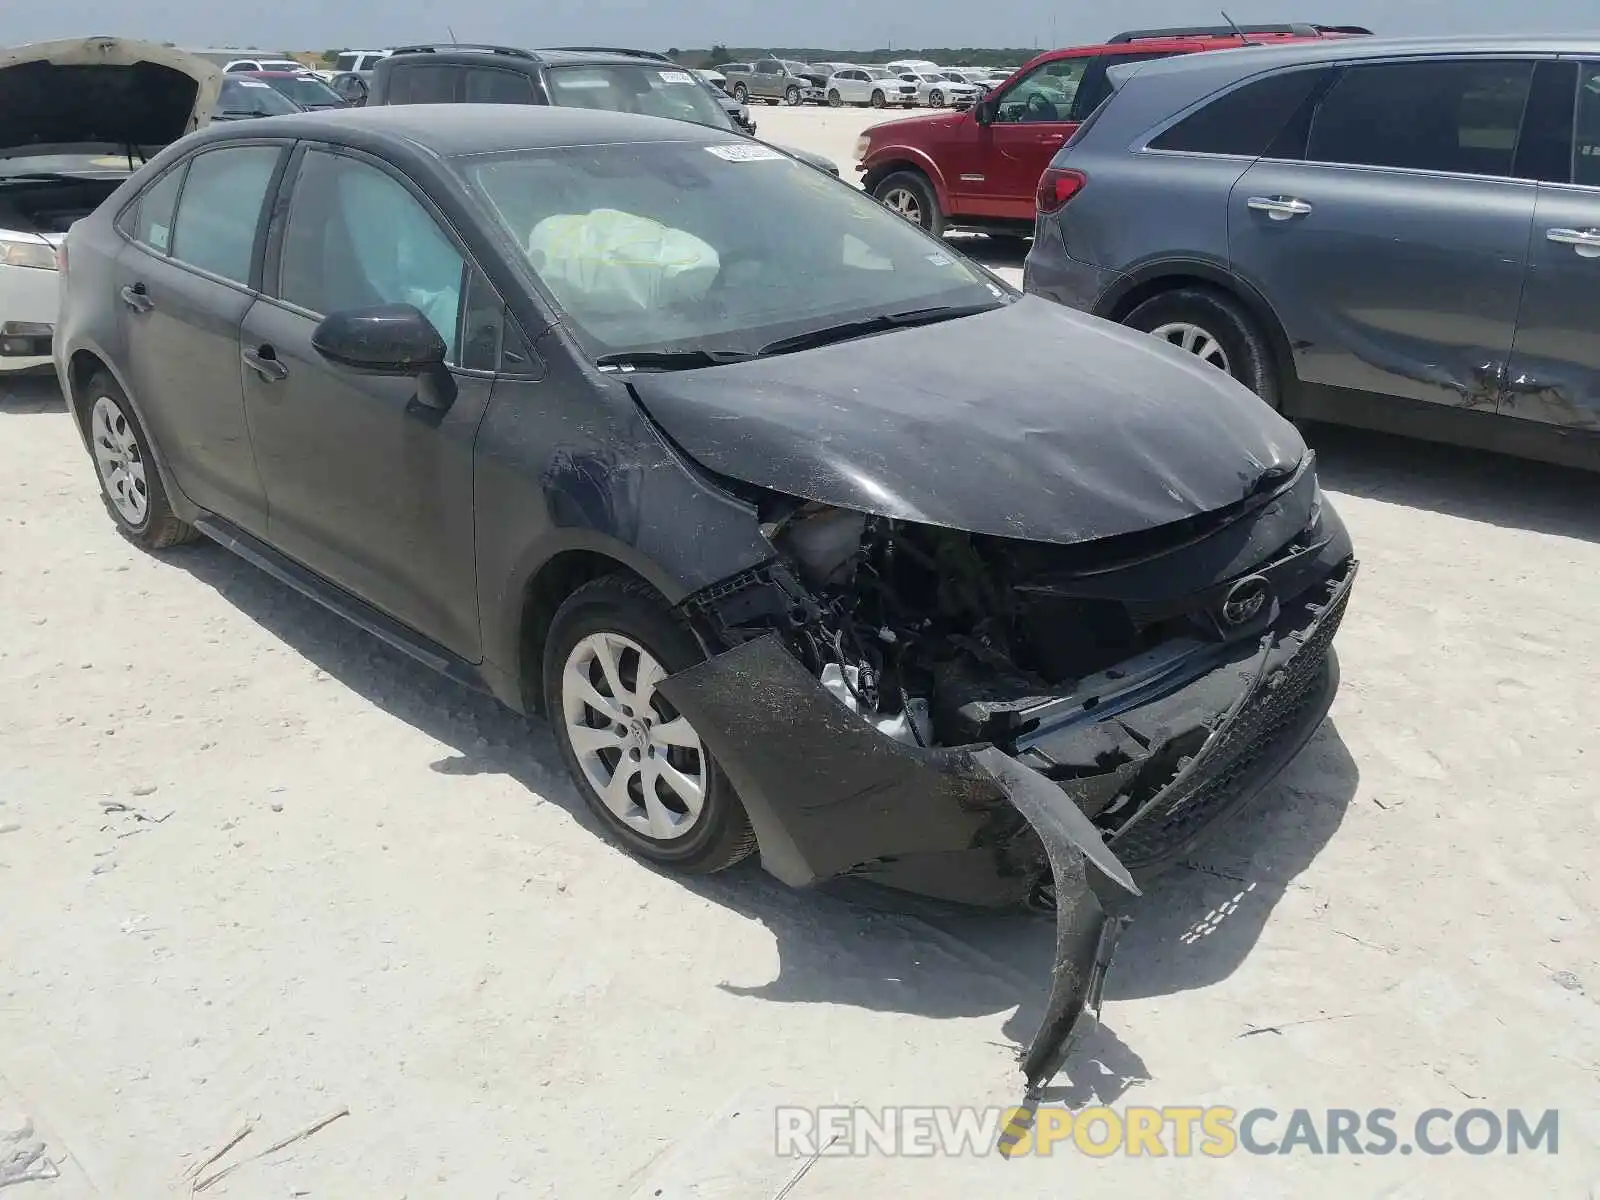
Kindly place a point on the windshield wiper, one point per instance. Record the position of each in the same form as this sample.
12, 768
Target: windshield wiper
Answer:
881, 323
669, 360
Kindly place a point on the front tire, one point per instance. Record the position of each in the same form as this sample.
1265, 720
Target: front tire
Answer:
640, 766
936, 99
1215, 328
741, 93
910, 195
130, 481
879, 100
834, 99
791, 97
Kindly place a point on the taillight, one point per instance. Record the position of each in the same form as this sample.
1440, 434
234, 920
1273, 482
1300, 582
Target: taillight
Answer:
1056, 186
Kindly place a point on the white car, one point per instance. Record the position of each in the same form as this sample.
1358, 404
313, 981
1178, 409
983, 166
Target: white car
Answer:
236, 60
870, 85
359, 61
915, 65
936, 91
715, 78
146, 96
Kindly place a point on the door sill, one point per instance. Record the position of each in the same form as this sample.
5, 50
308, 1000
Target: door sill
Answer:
358, 612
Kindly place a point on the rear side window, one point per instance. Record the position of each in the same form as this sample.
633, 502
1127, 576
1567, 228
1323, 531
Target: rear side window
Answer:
220, 209
422, 84
152, 218
1244, 121
488, 85
1460, 116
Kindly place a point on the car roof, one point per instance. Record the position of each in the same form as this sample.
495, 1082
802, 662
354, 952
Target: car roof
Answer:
300, 74
1344, 49
511, 56
450, 130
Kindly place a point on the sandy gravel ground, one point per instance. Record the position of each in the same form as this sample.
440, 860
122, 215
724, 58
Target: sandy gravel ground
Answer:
256, 870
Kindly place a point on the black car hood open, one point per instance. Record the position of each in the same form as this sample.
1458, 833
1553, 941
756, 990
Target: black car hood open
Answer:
1031, 421
101, 95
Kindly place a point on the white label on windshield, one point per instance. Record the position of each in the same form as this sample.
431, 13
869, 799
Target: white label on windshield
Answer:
940, 260
251, 83
676, 77
748, 153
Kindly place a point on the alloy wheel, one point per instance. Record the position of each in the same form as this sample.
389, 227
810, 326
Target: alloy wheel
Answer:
792, 96
642, 758
904, 202
1192, 339
936, 98
118, 460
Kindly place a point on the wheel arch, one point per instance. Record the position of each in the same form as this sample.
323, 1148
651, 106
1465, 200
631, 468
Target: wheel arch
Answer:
1154, 279
904, 158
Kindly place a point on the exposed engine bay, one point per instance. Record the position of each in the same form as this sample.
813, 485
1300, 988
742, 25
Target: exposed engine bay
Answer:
51, 205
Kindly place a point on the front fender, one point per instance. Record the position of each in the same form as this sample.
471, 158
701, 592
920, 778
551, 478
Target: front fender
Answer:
884, 160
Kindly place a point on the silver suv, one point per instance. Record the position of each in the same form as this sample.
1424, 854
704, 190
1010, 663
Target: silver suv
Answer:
1403, 235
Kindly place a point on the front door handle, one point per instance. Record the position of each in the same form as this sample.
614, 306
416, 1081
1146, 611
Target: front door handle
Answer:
1585, 242
136, 298
1279, 208
264, 362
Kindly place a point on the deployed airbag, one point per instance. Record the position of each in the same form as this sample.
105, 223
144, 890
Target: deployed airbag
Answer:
611, 261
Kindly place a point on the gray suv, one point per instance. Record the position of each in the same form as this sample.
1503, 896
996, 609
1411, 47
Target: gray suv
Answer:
1402, 235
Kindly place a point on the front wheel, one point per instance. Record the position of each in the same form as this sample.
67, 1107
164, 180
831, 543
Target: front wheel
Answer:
791, 96
910, 195
741, 93
639, 764
1217, 330
879, 100
130, 481
936, 98
834, 99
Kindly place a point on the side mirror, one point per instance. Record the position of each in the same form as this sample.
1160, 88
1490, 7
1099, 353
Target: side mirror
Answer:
389, 339
983, 110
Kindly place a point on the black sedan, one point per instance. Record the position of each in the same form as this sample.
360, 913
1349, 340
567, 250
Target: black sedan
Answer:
784, 514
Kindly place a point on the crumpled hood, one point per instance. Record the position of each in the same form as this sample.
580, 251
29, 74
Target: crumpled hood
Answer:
1031, 421
101, 95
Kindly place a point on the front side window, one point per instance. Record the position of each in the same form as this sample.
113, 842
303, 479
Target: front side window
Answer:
357, 238
1044, 94
219, 211
152, 221
488, 85
1459, 116
650, 91
658, 246
1586, 148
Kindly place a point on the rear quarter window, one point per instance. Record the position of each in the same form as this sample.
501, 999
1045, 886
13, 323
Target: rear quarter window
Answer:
422, 84
1246, 120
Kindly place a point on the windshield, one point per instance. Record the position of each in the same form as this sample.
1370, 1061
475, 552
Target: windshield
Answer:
251, 97
306, 90
652, 91
880, 73
668, 246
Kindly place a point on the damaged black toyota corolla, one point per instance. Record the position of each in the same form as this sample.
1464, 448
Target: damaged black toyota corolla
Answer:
809, 536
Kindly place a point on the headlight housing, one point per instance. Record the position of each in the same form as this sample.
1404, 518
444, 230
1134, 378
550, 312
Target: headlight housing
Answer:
863, 144
26, 252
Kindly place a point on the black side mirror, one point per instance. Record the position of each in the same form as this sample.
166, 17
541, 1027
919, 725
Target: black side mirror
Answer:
983, 110
388, 339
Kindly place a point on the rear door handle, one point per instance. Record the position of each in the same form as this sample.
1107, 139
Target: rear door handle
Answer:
136, 298
1279, 208
265, 363
1586, 242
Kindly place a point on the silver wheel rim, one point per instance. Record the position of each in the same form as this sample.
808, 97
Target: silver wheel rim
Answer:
1191, 339
937, 99
903, 202
643, 760
117, 458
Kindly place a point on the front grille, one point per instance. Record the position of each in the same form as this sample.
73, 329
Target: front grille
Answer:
1276, 714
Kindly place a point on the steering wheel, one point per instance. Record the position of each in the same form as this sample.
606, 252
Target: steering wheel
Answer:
1040, 108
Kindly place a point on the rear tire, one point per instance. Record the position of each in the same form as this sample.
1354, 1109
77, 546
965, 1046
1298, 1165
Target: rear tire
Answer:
629, 617
1187, 317
910, 195
125, 465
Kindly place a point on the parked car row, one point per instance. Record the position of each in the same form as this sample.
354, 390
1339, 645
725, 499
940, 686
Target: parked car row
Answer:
627, 421
908, 84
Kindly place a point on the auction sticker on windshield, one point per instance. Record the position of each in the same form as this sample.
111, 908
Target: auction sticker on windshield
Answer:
676, 77
746, 153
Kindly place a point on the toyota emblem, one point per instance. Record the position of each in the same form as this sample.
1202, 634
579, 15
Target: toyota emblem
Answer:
1246, 600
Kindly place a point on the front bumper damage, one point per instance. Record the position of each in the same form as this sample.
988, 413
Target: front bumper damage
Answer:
1114, 777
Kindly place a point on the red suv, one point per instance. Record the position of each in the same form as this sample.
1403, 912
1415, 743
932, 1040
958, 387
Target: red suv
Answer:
979, 169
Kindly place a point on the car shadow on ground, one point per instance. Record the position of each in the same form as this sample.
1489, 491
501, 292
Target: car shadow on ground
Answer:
28, 394
1475, 484
992, 252
862, 946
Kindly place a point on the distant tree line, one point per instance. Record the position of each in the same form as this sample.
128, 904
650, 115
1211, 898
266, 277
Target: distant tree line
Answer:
948, 56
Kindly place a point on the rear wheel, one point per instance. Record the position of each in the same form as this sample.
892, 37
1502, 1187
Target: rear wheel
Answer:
130, 482
1217, 330
639, 763
834, 99
910, 195
879, 100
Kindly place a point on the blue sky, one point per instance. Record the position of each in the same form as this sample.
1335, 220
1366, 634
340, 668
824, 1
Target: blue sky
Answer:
845, 24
